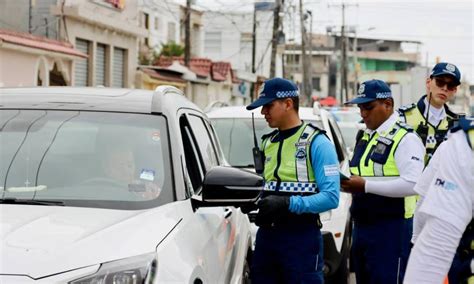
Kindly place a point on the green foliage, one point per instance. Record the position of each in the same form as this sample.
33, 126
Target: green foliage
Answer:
171, 49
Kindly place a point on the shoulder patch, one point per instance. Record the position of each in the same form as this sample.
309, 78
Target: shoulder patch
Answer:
405, 126
406, 108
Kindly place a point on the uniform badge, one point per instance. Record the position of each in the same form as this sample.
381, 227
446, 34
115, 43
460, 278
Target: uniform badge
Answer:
262, 87
450, 67
361, 90
300, 154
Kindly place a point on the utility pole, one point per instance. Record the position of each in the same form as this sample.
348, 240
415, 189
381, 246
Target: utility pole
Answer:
30, 16
344, 86
306, 87
344, 45
187, 34
276, 28
254, 49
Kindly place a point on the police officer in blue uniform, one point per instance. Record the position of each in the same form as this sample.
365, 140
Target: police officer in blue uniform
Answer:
387, 161
301, 173
431, 117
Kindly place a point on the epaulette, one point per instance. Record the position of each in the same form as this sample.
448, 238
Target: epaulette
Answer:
265, 136
467, 123
406, 108
405, 126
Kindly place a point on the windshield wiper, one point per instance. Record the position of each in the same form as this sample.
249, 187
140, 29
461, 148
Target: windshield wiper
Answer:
31, 201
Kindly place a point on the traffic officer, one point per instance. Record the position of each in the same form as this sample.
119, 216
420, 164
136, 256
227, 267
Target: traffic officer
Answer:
430, 116
445, 211
386, 163
301, 173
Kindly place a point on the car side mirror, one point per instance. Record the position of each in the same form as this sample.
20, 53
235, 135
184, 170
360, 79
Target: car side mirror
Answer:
227, 186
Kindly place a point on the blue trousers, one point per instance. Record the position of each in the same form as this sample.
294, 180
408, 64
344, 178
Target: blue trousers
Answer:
288, 254
380, 250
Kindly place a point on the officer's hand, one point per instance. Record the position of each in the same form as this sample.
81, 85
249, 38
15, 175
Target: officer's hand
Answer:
273, 206
355, 184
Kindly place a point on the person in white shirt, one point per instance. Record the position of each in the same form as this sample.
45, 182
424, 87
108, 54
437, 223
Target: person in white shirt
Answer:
387, 161
445, 209
430, 116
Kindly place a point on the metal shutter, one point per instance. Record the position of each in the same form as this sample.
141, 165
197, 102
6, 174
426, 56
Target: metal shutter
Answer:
118, 68
100, 65
81, 69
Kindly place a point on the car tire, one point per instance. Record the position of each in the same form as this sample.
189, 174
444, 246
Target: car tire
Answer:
341, 275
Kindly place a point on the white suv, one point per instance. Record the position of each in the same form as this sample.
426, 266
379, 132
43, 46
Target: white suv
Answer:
234, 128
103, 185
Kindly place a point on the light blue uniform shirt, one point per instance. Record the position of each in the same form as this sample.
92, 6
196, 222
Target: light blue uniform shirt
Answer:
323, 160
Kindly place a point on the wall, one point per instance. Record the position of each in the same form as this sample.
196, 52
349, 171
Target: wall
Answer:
20, 68
98, 22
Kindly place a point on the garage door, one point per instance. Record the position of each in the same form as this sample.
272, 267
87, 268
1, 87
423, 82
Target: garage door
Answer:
118, 68
100, 65
81, 69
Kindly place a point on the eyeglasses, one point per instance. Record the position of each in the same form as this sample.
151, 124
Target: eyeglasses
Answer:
440, 83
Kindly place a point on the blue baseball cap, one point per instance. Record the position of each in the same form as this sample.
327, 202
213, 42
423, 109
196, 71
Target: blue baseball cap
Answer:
444, 68
272, 89
370, 91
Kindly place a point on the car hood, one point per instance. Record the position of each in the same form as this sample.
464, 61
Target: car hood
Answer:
43, 240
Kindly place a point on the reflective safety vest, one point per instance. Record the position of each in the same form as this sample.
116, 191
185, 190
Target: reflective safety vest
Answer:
374, 159
431, 135
288, 162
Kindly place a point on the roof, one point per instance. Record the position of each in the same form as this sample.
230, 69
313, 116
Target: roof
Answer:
203, 67
165, 75
38, 42
200, 66
90, 99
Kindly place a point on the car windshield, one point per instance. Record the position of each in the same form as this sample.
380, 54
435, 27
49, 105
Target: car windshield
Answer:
236, 138
92, 159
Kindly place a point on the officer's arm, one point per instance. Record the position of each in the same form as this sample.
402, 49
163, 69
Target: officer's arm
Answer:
326, 171
409, 160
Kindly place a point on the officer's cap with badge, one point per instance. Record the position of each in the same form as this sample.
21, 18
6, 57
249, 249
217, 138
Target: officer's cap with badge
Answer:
370, 91
273, 89
444, 68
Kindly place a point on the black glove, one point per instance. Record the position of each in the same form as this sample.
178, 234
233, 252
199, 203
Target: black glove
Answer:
271, 208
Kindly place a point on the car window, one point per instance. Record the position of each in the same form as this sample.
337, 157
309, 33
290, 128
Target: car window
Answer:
338, 140
203, 139
96, 159
236, 138
194, 163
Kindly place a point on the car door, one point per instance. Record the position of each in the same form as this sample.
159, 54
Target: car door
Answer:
213, 228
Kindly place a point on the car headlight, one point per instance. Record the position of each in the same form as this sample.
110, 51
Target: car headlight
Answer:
133, 270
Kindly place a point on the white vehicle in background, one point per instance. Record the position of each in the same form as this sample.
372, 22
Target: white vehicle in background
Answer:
71, 215
233, 126
350, 123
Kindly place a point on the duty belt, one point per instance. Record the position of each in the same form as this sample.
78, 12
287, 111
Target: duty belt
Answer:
296, 187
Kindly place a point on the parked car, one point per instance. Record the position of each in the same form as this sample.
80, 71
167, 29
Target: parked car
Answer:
102, 185
234, 128
349, 121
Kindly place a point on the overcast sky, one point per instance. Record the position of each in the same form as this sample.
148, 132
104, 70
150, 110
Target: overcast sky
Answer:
445, 27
